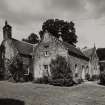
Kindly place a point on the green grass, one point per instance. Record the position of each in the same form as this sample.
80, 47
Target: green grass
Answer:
40, 94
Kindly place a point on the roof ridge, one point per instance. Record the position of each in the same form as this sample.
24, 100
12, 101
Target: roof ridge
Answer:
23, 41
70, 45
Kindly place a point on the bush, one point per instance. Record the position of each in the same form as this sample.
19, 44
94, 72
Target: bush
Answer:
87, 76
61, 72
102, 78
43, 80
57, 82
28, 77
68, 82
78, 81
39, 80
61, 82
94, 78
16, 69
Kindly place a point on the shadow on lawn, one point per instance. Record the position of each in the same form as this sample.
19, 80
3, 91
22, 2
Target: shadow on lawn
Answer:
8, 101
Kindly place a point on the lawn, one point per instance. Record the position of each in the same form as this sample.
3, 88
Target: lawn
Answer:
40, 94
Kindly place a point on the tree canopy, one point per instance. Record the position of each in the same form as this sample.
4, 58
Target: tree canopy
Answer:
101, 53
60, 28
32, 38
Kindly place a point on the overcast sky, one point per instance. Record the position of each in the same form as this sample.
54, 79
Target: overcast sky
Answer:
27, 16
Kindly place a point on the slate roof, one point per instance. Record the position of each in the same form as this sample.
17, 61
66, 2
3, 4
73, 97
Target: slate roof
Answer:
23, 47
88, 52
74, 51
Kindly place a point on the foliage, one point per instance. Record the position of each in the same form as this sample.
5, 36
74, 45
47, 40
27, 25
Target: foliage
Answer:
28, 77
61, 72
16, 69
62, 82
102, 77
78, 80
102, 66
87, 76
44, 80
2, 51
94, 77
60, 28
32, 38
101, 53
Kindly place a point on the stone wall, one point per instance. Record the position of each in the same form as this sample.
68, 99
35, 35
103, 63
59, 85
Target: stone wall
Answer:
94, 67
78, 66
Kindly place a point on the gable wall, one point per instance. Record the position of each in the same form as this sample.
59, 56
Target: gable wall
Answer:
40, 59
94, 65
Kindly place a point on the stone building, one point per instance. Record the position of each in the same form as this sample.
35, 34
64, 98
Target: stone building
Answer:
93, 64
49, 48
37, 58
12, 48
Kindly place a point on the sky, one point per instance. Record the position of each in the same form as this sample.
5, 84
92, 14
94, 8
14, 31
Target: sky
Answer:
27, 16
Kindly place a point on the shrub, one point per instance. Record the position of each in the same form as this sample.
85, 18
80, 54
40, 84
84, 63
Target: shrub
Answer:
94, 78
68, 82
38, 80
16, 69
43, 80
102, 78
62, 82
78, 81
87, 76
57, 82
61, 72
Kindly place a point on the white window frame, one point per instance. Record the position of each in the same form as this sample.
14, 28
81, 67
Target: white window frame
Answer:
28, 71
46, 53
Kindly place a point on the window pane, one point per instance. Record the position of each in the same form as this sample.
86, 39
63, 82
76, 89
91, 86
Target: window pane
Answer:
45, 66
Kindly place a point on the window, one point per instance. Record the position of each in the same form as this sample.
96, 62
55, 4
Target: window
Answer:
76, 74
76, 68
27, 71
46, 53
46, 67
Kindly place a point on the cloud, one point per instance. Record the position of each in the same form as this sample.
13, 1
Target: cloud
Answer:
23, 12
28, 11
28, 15
96, 8
69, 5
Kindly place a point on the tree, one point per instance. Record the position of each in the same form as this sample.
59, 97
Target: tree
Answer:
102, 77
60, 28
32, 38
60, 71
